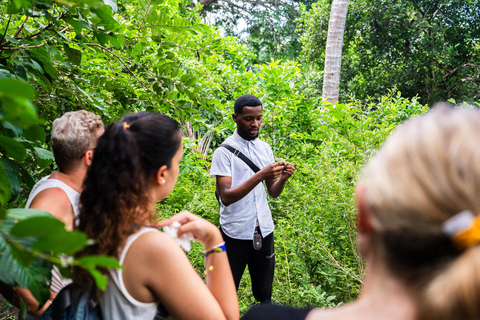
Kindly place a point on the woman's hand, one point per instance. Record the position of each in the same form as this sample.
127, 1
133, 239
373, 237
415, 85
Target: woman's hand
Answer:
203, 230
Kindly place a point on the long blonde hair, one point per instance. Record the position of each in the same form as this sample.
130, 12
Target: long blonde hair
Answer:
427, 171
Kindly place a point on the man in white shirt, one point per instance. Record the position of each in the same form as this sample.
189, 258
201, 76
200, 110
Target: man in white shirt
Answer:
74, 138
245, 218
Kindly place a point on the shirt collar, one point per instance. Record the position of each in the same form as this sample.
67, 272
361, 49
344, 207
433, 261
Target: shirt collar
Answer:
242, 141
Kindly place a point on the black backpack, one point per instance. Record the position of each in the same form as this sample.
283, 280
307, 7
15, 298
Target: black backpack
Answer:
73, 304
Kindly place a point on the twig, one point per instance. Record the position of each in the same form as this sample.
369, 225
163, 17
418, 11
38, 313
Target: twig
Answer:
73, 93
21, 27
26, 47
166, 26
6, 29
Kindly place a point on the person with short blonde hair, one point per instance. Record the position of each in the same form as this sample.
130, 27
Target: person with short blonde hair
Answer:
74, 138
418, 224
73, 135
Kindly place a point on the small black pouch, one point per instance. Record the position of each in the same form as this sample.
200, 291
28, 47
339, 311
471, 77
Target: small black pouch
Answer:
257, 240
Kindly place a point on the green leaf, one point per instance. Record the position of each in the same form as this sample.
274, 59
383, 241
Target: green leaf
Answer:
15, 7
21, 256
15, 88
44, 154
35, 133
100, 280
30, 227
77, 26
74, 55
112, 4
12, 272
61, 242
19, 111
5, 189
101, 261
27, 178
105, 13
44, 58
115, 42
102, 38
12, 173
13, 148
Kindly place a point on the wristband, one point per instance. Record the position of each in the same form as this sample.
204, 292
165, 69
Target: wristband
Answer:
218, 248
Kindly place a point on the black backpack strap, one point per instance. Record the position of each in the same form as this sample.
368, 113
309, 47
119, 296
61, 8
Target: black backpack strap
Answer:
62, 301
240, 155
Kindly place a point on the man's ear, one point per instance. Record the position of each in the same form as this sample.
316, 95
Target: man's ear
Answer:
88, 157
234, 117
160, 177
364, 223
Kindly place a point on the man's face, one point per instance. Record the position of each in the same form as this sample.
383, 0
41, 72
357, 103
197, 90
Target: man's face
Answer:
249, 122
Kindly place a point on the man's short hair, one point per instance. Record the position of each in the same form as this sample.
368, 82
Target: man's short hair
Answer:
72, 135
247, 100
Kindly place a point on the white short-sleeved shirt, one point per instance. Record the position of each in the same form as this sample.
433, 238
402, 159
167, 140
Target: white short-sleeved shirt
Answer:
238, 220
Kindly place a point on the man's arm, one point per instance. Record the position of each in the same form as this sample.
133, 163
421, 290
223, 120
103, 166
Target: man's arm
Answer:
230, 195
275, 186
55, 201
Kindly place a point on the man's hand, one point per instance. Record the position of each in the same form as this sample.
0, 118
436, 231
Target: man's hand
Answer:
272, 171
288, 171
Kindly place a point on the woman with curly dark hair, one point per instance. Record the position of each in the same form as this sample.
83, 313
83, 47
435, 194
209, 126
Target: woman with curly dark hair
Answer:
136, 163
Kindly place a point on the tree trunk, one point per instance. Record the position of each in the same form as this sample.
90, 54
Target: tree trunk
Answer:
333, 50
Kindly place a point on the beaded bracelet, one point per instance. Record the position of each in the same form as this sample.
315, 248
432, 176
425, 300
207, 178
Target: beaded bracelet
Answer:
218, 248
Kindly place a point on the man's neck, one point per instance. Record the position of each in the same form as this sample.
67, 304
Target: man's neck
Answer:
72, 179
244, 137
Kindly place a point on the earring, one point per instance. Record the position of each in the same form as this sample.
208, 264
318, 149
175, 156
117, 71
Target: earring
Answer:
162, 181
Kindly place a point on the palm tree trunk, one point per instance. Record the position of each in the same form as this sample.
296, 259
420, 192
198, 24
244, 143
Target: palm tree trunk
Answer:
333, 50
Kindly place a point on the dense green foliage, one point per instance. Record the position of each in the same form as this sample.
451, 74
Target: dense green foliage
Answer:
317, 261
425, 48
267, 28
115, 58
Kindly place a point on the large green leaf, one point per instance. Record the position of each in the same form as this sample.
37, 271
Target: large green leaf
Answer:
44, 154
5, 189
35, 133
35, 276
13, 148
14, 101
61, 242
12, 173
27, 177
15, 88
90, 263
29, 227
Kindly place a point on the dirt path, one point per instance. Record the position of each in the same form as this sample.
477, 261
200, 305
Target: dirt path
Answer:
7, 311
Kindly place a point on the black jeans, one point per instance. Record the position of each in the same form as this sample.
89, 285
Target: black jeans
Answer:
261, 264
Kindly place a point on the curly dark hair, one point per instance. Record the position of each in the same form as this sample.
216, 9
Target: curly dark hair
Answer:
115, 198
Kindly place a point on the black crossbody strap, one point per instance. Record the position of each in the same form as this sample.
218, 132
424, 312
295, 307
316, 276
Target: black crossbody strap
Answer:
241, 156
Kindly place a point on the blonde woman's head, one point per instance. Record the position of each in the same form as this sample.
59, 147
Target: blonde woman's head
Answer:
426, 172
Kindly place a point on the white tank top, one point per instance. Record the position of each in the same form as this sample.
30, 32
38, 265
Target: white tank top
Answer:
116, 302
57, 282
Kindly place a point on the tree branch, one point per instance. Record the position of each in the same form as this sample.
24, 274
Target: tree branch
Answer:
6, 29
21, 27
26, 47
166, 26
